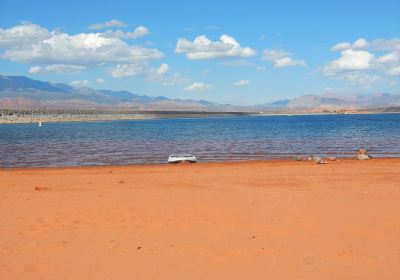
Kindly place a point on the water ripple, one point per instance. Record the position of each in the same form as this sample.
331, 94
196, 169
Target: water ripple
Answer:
211, 139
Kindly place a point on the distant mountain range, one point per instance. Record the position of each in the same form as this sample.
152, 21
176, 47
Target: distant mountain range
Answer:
19, 92
332, 102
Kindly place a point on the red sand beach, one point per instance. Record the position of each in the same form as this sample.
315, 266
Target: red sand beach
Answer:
248, 220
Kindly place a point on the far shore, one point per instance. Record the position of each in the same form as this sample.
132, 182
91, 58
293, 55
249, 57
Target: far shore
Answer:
275, 219
51, 116
14, 116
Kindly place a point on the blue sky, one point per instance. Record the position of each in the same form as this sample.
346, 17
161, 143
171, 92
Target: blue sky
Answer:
246, 52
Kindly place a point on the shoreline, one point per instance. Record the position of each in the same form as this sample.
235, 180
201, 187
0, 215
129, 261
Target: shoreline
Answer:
61, 116
65, 116
205, 163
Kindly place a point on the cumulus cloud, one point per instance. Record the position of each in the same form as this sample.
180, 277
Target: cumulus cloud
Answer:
361, 65
341, 46
198, 86
128, 70
280, 58
204, 48
359, 78
26, 33
65, 68
154, 74
159, 74
100, 81
140, 68
357, 44
30, 43
107, 24
360, 44
386, 45
351, 60
163, 76
57, 68
163, 69
136, 33
81, 49
389, 63
241, 83
395, 70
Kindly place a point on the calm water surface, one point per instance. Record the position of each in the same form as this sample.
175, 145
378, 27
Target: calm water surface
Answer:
210, 139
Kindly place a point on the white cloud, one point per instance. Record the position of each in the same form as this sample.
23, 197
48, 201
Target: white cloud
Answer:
111, 23
35, 70
357, 44
160, 75
359, 78
395, 70
80, 83
57, 68
140, 68
204, 48
163, 69
360, 65
100, 81
198, 86
65, 68
392, 57
281, 58
360, 44
355, 57
26, 33
386, 45
341, 46
128, 70
389, 63
138, 32
40, 46
241, 83
350, 60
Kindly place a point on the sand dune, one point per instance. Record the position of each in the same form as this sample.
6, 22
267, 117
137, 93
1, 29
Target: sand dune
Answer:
250, 220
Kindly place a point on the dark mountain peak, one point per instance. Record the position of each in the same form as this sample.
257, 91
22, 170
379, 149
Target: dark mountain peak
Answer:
278, 104
22, 82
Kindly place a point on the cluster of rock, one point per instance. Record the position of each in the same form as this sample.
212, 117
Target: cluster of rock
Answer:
317, 159
362, 154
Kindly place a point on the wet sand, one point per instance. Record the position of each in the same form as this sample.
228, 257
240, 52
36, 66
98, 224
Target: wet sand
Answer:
250, 220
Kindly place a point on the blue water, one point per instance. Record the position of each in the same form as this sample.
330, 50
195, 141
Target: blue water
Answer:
210, 139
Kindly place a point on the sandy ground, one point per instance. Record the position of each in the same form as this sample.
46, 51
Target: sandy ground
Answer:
251, 220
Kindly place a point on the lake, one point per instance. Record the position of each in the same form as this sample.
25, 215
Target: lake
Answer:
210, 139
